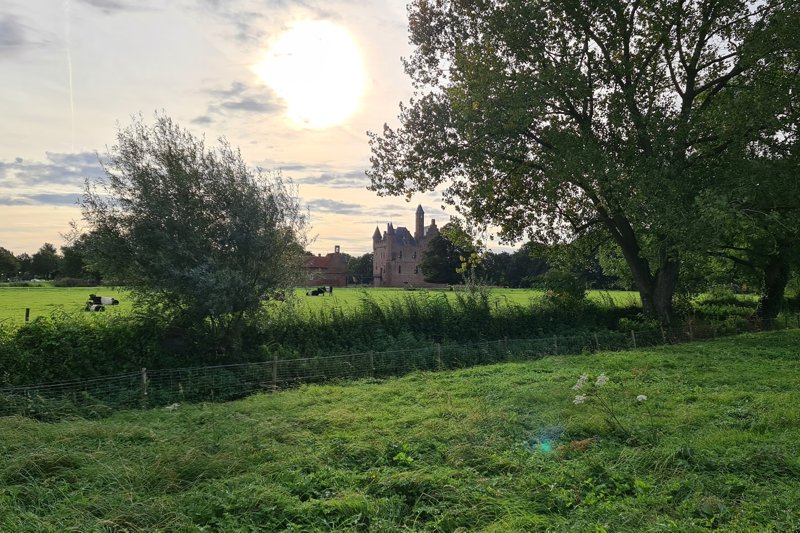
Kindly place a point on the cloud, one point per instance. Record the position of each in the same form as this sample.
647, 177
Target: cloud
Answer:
12, 35
58, 169
348, 180
59, 199
112, 7
202, 119
250, 104
324, 205
238, 98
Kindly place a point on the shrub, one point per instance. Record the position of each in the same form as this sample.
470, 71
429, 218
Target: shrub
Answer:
76, 282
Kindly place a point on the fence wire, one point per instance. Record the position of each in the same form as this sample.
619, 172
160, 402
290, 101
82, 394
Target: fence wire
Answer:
157, 388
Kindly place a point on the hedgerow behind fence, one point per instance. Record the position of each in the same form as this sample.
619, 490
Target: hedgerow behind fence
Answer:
159, 388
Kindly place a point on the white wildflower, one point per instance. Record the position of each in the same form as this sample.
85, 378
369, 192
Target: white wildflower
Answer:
602, 379
172, 407
641, 398
582, 381
579, 399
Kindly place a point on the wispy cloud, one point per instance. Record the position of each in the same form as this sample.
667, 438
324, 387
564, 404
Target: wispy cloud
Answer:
338, 180
235, 99
324, 205
246, 20
57, 169
68, 199
12, 35
113, 7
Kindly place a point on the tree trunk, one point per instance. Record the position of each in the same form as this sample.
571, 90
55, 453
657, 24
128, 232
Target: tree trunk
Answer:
776, 276
656, 290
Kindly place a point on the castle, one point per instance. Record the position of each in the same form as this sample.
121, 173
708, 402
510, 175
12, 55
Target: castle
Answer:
397, 254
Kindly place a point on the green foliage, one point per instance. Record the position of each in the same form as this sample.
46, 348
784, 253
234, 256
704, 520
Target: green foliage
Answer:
96, 344
553, 119
359, 269
436, 452
9, 266
193, 231
46, 262
24, 261
562, 287
449, 255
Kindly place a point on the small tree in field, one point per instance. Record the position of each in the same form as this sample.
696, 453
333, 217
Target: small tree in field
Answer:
192, 230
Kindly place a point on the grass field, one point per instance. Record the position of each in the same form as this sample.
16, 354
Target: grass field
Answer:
495, 448
42, 301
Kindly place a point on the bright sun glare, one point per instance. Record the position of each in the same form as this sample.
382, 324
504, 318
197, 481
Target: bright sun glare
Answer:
316, 68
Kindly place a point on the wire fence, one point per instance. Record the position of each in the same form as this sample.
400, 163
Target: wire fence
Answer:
158, 388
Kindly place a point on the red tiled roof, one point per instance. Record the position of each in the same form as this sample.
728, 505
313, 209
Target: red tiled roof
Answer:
316, 261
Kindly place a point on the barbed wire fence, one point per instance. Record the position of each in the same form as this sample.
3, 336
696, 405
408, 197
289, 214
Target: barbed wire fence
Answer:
158, 388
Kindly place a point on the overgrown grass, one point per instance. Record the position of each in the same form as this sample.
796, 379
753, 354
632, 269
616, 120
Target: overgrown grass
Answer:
43, 299
440, 451
72, 346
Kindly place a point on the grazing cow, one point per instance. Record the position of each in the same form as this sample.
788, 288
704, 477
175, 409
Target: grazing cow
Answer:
104, 300
319, 290
99, 303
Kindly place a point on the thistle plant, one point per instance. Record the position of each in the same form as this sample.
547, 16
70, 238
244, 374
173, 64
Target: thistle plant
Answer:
609, 397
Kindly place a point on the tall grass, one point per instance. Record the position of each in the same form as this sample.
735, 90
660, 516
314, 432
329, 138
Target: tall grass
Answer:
66, 346
451, 451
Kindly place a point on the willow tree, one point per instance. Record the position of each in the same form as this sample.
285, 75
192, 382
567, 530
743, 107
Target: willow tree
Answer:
550, 118
192, 230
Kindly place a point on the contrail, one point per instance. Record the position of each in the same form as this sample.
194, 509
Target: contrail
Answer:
69, 70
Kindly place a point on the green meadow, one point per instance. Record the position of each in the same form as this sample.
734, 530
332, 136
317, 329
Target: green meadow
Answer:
716, 445
44, 301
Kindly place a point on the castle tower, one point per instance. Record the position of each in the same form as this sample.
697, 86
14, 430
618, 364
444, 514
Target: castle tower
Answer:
377, 235
419, 231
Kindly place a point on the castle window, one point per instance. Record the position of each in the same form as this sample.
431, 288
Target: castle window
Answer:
401, 254
416, 270
399, 268
394, 256
414, 255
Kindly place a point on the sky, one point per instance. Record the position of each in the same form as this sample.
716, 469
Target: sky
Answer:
294, 84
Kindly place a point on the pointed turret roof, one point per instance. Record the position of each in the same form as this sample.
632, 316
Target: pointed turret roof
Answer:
419, 209
377, 234
390, 229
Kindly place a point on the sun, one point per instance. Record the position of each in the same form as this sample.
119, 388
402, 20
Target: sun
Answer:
316, 68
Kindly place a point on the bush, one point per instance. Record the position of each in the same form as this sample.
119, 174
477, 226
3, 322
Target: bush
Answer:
563, 287
76, 282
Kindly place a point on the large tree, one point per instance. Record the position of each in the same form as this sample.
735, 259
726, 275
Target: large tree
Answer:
755, 201
45, 262
8, 263
549, 118
359, 269
191, 229
450, 255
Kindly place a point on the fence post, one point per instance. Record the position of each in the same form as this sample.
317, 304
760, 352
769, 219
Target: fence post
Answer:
663, 334
27, 314
275, 373
144, 386
691, 333
505, 345
596, 343
633, 338
439, 356
371, 364
555, 344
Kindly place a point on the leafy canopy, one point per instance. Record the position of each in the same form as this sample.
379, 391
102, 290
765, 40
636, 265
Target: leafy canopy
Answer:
550, 118
192, 229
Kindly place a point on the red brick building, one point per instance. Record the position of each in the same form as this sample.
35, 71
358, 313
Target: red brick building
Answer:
330, 269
